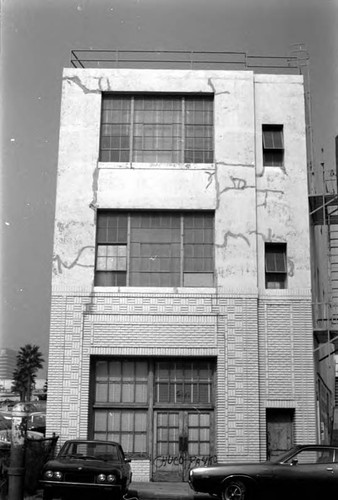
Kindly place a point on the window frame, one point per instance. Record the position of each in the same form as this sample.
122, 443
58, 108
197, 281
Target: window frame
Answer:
194, 270
274, 275
273, 149
151, 405
187, 133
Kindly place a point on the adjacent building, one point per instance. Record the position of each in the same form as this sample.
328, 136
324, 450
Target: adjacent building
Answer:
7, 363
181, 318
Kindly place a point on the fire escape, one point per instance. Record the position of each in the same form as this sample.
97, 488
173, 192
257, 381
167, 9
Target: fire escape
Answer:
324, 231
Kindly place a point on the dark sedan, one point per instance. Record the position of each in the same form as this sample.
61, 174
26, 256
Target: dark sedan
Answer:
87, 467
305, 472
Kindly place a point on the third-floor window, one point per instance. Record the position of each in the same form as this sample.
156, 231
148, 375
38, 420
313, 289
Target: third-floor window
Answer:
157, 129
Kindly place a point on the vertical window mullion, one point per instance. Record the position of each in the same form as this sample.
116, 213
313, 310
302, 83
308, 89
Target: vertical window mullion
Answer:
131, 134
183, 130
128, 249
182, 251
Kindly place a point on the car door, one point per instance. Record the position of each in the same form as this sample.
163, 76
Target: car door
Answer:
309, 474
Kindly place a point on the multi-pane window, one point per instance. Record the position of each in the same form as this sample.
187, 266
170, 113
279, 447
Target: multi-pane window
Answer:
157, 128
275, 265
126, 392
121, 382
183, 382
155, 249
127, 427
273, 145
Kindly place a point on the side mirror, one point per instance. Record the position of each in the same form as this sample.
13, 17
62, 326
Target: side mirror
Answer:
294, 461
127, 460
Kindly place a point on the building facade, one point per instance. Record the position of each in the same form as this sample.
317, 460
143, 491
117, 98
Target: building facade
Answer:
7, 363
181, 321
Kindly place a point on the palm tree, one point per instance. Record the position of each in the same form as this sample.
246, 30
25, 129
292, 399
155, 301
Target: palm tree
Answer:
28, 361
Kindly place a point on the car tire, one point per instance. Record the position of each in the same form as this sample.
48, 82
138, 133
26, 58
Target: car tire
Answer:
235, 489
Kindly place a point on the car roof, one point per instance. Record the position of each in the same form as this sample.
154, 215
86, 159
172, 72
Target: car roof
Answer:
316, 446
94, 441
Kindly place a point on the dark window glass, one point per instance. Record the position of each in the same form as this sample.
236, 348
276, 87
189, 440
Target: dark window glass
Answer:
273, 145
163, 249
159, 129
183, 382
275, 265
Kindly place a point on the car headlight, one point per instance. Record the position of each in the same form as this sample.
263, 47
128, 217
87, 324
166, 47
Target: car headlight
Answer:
111, 478
57, 475
48, 474
101, 478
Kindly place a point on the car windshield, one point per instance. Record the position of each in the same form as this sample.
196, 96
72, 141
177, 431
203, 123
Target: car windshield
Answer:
83, 450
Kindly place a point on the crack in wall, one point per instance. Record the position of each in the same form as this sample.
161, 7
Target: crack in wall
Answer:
210, 83
265, 238
103, 88
230, 234
211, 176
291, 267
266, 192
60, 264
76, 80
95, 187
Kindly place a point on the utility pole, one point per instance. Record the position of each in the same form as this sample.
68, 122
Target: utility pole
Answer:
16, 470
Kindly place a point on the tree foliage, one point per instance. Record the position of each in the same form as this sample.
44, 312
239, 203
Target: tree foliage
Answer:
28, 361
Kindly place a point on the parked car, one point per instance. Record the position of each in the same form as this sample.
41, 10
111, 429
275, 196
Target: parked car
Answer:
305, 472
84, 466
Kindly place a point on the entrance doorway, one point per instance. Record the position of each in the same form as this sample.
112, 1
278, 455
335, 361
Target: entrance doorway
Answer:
159, 409
183, 440
279, 431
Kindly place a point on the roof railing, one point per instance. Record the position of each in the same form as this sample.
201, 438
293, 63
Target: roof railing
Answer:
183, 59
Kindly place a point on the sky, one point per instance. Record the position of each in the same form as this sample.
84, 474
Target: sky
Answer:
37, 37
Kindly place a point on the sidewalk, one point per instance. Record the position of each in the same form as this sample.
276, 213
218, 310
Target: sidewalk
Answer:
164, 491
153, 491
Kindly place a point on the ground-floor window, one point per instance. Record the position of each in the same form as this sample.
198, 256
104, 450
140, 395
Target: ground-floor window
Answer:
158, 408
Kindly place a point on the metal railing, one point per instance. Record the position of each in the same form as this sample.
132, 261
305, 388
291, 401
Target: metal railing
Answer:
183, 59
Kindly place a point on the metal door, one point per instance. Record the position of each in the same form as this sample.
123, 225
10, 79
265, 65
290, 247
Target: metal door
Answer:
183, 440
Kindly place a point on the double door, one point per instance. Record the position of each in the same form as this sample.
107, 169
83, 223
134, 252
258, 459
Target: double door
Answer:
183, 439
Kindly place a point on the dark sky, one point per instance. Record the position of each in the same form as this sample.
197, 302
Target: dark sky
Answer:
37, 37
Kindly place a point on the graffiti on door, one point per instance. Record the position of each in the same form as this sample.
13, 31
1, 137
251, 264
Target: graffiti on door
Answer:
191, 461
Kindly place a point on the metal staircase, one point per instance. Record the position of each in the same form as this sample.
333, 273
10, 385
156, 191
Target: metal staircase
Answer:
333, 268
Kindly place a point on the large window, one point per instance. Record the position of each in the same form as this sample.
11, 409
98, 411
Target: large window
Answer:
126, 392
157, 128
183, 382
273, 145
155, 249
275, 265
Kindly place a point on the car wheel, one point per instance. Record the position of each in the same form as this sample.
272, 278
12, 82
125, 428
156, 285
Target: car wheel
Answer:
235, 490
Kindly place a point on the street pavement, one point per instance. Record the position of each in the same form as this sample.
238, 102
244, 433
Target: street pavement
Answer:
152, 491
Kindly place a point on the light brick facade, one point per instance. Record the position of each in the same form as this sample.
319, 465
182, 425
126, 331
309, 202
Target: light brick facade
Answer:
261, 340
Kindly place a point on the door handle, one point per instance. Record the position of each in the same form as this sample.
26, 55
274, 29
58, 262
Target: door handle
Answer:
330, 469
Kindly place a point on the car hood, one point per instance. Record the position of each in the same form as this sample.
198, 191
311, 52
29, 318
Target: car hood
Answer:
75, 463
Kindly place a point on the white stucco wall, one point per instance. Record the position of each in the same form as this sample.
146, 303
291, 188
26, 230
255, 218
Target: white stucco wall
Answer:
252, 204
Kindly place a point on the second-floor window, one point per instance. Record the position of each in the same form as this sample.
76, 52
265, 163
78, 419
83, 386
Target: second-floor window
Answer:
155, 249
275, 265
157, 129
273, 145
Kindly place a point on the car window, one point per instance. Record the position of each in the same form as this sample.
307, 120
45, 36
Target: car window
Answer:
98, 450
318, 456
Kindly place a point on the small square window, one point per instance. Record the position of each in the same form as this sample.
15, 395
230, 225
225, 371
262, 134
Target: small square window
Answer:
275, 265
273, 145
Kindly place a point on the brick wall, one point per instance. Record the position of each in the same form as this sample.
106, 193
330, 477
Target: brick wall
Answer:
263, 356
